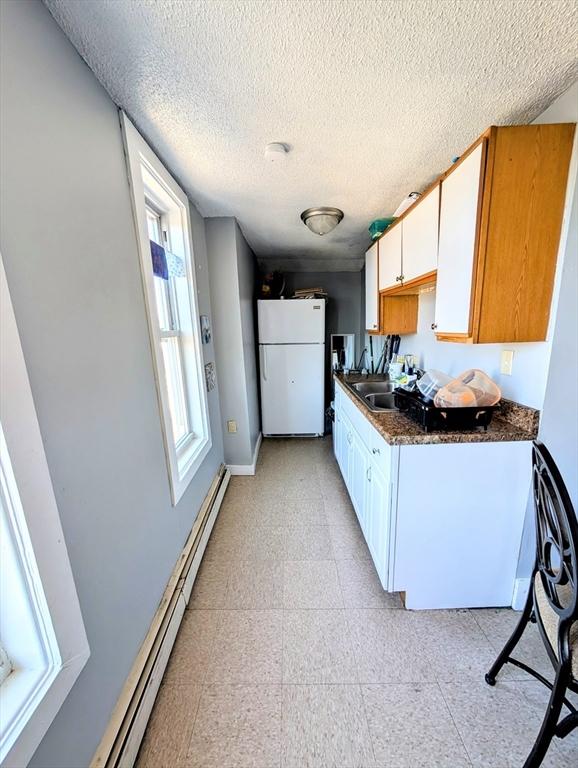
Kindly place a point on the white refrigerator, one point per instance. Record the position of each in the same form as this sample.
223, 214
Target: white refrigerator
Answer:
292, 363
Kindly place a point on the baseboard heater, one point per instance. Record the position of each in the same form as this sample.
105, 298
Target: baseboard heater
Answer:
121, 741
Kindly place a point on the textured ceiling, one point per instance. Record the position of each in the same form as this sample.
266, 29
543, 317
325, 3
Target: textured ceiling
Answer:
374, 98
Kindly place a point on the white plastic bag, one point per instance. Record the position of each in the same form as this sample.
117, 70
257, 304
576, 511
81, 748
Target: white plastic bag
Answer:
472, 388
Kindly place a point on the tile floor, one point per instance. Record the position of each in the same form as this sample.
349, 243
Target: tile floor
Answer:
292, 656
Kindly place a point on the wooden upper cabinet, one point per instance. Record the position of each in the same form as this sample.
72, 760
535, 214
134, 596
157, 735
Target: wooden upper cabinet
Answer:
459, 217
371, 291
390, 258
419, 235
501, 215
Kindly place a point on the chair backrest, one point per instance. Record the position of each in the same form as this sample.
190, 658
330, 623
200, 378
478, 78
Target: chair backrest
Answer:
556, 535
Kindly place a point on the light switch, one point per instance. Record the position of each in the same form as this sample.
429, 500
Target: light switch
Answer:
231, 426
506, 362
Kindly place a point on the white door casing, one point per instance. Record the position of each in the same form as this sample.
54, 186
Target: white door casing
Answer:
41, 623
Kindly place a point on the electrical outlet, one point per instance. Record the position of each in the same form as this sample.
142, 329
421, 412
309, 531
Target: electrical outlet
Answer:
506, 362
231, 426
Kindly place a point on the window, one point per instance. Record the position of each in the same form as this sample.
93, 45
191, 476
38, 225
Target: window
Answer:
168, 271
171, 336
43, 645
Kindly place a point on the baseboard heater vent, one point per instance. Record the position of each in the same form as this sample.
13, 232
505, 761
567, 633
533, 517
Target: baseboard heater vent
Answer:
121, 741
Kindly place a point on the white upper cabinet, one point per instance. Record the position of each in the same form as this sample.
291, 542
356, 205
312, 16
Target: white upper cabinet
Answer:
390, 258
420, 237
460, 194
371, 290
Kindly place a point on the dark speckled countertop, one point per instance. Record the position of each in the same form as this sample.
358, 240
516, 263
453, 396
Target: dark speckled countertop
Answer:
514, 422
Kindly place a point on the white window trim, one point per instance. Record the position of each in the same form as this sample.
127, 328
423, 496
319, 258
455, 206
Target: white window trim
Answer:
181, 469
42, 582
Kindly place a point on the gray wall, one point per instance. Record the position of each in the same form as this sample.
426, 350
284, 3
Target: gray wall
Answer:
559, 423
69, 248
232, 279
246, 275
344, 309
559, 419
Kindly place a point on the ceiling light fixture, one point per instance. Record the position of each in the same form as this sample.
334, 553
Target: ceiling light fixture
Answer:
321, 220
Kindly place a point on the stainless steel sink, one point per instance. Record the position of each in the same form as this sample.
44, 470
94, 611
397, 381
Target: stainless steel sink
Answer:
372, 387
384, 401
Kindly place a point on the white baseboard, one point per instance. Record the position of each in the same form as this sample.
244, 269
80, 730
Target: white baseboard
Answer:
521, 587
247, 469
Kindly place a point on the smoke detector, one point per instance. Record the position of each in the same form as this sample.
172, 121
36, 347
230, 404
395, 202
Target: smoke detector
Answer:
276, 151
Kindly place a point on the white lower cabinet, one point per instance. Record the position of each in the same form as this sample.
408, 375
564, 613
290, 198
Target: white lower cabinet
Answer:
345, 449
378, 521
358, 477
443, 523
366, 470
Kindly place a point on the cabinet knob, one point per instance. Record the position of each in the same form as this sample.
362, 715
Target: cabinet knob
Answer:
375, 325
375, 450
434, 326
397, 279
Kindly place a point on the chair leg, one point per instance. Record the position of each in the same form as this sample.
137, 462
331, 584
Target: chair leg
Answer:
567, 725
514, 639
548, 729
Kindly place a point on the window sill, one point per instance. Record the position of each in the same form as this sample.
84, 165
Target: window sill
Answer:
187, 466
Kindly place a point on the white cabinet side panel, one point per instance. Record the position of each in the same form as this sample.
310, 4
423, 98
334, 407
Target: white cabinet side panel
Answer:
460, 513
371, 290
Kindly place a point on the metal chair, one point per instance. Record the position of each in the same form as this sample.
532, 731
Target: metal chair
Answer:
552, 601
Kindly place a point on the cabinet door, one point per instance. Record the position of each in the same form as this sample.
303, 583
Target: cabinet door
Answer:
339, 441
345, 450
337, 424
378, 521
390, 258
420, 237
459, 214
371, 290
358, 477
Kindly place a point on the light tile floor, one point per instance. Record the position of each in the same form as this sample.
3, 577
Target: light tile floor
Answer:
292, 656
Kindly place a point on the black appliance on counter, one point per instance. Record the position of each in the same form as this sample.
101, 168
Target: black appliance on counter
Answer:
428, 416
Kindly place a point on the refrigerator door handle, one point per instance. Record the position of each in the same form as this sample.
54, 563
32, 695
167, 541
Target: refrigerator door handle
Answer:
264, 362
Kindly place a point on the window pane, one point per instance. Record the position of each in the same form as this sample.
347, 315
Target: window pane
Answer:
154, 226
162, 302
175, 387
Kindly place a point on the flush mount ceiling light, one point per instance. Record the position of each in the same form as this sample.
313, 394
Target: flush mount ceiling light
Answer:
321, 220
